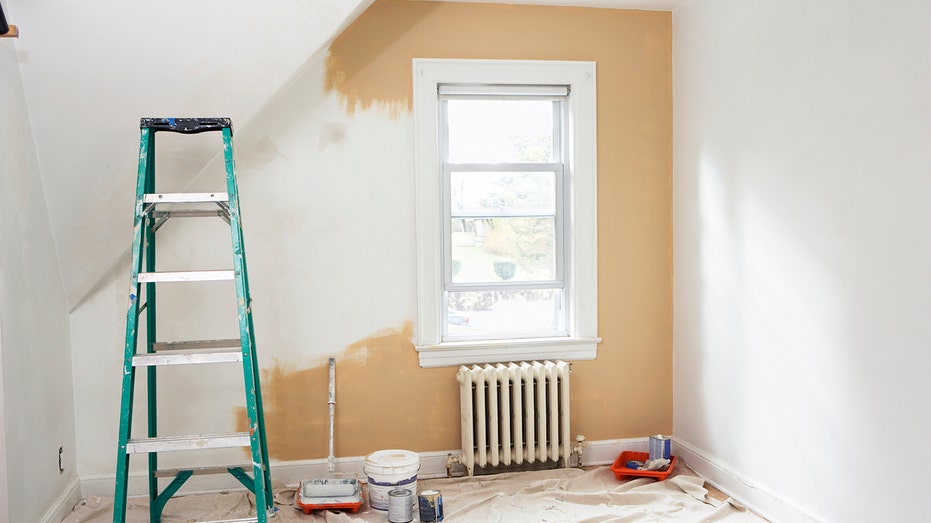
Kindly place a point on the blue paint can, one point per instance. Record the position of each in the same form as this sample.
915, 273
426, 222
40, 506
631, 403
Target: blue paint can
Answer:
431, 505
660, 447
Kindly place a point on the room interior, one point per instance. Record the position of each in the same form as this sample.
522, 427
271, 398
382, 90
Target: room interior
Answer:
763, 233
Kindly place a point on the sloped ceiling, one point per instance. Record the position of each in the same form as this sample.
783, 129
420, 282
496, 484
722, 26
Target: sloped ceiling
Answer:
92, 69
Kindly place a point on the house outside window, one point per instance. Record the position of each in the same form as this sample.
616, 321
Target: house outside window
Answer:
506, 228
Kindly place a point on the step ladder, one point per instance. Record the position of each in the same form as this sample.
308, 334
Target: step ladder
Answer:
152, 210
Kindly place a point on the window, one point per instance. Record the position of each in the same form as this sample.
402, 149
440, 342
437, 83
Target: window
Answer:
506, 210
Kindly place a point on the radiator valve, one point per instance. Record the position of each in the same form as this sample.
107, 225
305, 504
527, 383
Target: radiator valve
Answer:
450, 461
577, 448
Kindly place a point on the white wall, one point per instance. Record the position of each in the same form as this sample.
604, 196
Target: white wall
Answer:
327, 206
802, 251
36, 352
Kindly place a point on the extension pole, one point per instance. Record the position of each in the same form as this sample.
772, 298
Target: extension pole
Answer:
332, 404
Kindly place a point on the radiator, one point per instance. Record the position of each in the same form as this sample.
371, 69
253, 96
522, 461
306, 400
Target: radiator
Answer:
514, 416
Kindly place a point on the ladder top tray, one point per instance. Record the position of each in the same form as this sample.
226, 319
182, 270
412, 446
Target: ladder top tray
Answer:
186, 125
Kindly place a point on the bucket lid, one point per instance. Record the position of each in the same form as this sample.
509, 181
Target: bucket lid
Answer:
392, 458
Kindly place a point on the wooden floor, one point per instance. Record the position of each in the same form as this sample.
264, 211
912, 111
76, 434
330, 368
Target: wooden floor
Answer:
715, 493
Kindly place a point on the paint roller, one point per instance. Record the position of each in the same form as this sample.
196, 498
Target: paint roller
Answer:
330, 488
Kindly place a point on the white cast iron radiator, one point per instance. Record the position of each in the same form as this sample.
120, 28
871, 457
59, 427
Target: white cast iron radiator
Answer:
514, 416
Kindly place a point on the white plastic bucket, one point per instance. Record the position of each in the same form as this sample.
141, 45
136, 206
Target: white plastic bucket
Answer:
390, 469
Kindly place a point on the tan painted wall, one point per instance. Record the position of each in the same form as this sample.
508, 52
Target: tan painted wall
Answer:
627, 391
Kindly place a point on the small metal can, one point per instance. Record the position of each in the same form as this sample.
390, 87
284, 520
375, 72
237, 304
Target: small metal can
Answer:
431, 505
400, 505
659, 447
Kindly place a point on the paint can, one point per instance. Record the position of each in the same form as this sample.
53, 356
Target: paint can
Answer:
400, 506
430, 503
659, 447
387, 470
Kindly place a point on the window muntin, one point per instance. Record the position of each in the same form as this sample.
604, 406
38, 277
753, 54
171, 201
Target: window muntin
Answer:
503, 173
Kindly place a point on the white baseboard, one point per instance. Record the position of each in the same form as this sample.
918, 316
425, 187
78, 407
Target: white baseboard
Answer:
755, 497
432, 465
604, 452
64, 504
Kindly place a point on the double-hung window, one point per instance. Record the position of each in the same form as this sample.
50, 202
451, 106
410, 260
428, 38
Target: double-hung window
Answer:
505, 174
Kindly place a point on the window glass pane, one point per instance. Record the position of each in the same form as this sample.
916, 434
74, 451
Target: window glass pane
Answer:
500, 131
504, 313
483, 193
503, 249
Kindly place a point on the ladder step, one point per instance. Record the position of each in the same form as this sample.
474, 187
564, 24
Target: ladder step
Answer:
198, 471
188, 357
159, 277
186, 197
173, 443
190, 213
197, 344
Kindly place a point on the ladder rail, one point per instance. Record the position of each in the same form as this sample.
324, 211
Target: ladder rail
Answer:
150, 331
260, 458
148, 218
146, 144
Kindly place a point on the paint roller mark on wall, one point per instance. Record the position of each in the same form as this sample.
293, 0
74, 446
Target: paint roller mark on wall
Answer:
378, 382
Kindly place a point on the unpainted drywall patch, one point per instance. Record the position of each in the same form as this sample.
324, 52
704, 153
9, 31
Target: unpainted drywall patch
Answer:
378, 384
332, 134
262, 151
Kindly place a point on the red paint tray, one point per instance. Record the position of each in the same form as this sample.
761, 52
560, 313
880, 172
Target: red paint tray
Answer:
309, 503
622, 472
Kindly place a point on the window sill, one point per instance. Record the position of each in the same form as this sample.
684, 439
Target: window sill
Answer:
452, 354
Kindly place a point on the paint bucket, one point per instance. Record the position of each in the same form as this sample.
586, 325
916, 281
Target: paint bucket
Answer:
400, 506
388, 470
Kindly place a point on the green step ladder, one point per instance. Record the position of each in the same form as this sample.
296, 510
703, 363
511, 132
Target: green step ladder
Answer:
152, 210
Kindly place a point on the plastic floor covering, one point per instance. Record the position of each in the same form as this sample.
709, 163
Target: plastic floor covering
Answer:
557, 496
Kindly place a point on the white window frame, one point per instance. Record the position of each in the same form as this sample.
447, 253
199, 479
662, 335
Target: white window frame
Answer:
580, 217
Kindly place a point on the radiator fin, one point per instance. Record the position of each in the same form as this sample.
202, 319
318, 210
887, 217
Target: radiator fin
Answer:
514, 415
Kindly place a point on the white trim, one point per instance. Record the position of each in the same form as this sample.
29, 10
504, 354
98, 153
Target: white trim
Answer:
432, 465
64, 504
138, 484
604, 452
753, 496
465, 352
581, 274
